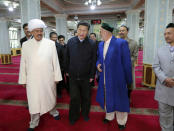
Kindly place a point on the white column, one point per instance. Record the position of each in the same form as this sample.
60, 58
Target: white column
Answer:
158, 13
132, 22
4, 37
30, 9
19, 37
61, 25
48, 30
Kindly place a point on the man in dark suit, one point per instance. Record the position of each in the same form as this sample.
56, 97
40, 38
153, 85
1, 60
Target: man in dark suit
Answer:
80, 66
27, 34
60, 52
93, 37
65, 82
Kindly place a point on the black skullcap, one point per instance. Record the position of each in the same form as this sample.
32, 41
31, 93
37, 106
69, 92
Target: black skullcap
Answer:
107, 27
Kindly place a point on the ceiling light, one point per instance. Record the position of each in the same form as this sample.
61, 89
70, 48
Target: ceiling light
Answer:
93, 3
11, 5
86, 3
10, 9
99, 2
6, 3
15, 5
92, 7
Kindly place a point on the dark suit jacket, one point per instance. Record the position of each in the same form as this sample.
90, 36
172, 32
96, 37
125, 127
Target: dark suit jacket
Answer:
23, 40
80, 58
60, 51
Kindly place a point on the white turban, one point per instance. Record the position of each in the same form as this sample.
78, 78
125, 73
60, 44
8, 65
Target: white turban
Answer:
36, 23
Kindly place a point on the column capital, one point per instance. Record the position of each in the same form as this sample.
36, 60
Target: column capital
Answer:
61, 15
133, 11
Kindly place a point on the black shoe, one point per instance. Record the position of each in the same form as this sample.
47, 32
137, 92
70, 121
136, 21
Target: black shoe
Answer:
86, 118
59, 96
105, 121
30, 129
57, 117
121, 127
72, 122
67, 89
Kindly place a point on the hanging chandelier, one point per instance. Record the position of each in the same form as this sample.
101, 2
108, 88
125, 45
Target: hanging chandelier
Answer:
93, 3
11, 5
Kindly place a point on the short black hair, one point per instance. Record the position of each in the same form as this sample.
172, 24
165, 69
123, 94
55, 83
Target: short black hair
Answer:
127, 28
93, 34
75, 32
170, 25
24, 25
52, 33
61, 36
84, 24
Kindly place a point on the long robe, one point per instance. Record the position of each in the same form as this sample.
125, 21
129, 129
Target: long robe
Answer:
118, 73
39, 70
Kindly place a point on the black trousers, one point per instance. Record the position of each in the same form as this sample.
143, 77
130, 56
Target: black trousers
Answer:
80, 95
67, 83
63, 84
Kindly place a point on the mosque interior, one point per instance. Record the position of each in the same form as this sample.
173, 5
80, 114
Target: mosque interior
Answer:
146, 19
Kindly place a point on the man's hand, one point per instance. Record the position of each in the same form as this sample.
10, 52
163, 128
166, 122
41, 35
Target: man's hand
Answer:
169, 82
99, 68
67, 74
91, 79
24, 85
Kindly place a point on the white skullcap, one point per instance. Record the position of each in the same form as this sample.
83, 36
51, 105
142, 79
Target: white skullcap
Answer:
36, 23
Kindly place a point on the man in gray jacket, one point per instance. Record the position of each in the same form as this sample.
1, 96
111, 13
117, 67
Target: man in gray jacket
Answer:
164, 69
133, 47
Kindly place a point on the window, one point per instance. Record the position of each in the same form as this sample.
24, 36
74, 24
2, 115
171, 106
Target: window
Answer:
13, 36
